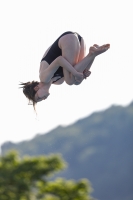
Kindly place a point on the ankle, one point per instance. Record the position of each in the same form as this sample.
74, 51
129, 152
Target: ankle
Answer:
92, 55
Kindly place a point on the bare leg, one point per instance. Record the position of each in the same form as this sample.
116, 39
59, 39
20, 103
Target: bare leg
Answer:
71, 50
94, 51
70, 47
70, 56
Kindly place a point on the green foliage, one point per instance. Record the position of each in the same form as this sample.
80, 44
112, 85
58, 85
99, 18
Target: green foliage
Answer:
67, 190
27, 179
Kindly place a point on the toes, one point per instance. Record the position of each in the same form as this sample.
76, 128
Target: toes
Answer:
96, 45
101, 47
107, 45
92, 48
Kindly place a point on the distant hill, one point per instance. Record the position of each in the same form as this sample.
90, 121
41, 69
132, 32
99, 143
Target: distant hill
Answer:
98, 147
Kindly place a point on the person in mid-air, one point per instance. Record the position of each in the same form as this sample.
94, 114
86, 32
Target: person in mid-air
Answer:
65, 60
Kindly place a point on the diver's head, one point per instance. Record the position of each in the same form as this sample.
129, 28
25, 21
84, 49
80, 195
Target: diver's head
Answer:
34, 91
29, 92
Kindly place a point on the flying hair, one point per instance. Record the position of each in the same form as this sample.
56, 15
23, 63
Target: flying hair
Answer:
29, 92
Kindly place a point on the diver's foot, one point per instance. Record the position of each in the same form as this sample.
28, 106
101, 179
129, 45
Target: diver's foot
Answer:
95, 50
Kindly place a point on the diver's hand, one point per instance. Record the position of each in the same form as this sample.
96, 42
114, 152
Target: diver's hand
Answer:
79, 76
86, 73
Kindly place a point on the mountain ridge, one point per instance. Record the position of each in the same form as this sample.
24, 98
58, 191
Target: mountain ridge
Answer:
98, 147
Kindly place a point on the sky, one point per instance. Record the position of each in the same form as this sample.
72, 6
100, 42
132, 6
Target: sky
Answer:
28, 28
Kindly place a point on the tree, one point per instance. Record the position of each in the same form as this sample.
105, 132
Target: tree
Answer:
66, 189
27, 179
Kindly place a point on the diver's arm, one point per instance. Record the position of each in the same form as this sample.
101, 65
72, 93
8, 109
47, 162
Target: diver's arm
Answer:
47, 74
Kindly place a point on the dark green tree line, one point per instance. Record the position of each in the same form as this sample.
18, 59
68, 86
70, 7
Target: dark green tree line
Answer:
27, 179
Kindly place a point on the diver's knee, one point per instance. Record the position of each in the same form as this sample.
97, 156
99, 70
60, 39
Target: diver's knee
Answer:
69, 82
77, 82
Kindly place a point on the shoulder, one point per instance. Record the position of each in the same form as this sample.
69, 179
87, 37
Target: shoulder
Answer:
43, 66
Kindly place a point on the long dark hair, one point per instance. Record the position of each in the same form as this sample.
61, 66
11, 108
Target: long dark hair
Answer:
29, 92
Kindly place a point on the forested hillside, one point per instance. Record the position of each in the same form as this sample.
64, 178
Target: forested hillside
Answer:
98, 147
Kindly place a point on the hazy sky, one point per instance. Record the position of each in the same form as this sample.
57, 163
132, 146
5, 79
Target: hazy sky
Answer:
28, 28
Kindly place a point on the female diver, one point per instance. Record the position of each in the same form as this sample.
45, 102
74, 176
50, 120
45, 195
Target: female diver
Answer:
65, 60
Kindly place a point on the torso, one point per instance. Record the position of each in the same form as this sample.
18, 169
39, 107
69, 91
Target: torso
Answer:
52, 53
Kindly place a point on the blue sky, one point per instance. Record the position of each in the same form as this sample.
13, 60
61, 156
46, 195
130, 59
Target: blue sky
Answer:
28, 28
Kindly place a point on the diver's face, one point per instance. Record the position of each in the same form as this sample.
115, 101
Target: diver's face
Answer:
41, 93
